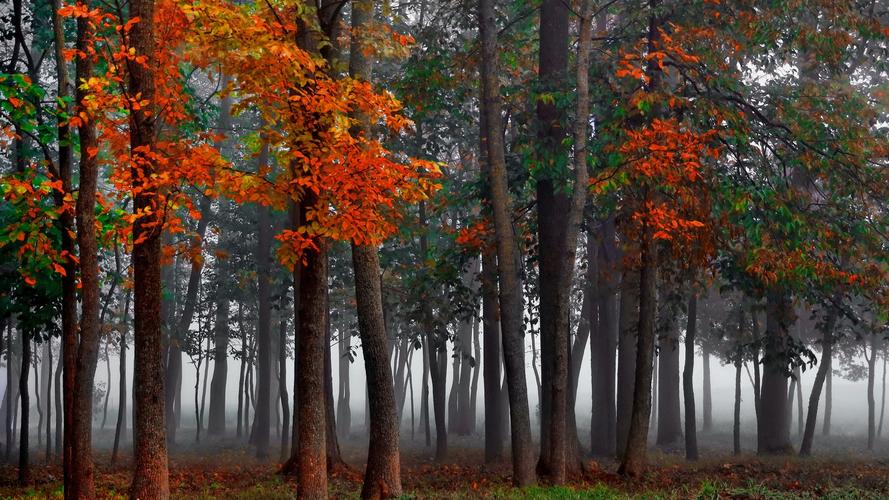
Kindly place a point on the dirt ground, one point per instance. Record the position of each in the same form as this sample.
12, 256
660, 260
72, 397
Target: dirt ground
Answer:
227, 470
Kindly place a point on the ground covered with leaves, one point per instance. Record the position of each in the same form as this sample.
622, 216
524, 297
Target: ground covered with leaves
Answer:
231, 472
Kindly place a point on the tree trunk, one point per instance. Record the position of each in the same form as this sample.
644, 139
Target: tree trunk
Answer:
628, 324
151, 478
382, 475
263, 336
688, 387
25, 369
633, 461
799, 401
242, 375
871, 400
669, 418
772, 423
822, 374
736, 427
828, 399
603, 344
312, 332
510, 287
120, 428
216, 416
68, 347
707, 397
334, 457
343, 412
882, 397
282, 385
48, 396
82, 479
494, 426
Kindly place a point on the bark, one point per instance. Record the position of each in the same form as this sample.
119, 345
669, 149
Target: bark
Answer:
882, 397
494, 426
282, 386
24, 475
603, 344
312, 439
242, 372
472, 414
343, 412
736, 427
382, 475
334, 457
263, 336
871, 400
47, 398
510, 286
216, 416
82, 479
772, 423
828, 400
707, 396
822, 374
669, 418
151, 478
628, 324
688, 387
799, 401
633, 461
67, 364
552, 222
120, 428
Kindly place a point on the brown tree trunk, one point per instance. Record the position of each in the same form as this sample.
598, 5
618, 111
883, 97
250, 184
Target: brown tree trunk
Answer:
603, 343
263, 336
669, 418
707, 397
216, 416
823, 370
633, 461
688, 387
334, 457
628, 324
382, 475
312, 439
772, 423
494, 426
510, 287
736, 427
151, 478
82, 480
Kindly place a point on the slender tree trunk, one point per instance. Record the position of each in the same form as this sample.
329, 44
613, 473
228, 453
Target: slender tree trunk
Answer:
48, 399
707, 397
871, 400
83, 481
216, 417
603, 343
510, 286
736, 427
343, 412
800, 416
120, 428
107, 389
242, 372
334, 457
633, 461
282, 385
688, 386
263, 336
24, 451
669, 418
151, 478
828, 399
68, 349
882, 397
628, 324
822, 374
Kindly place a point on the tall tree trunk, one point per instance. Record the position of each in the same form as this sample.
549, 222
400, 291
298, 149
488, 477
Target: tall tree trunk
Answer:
628, 324
242, 373
669, 418
24, 451
107, 389
736, 427
10, 396
382, 475
707, 402
823, 370
510, 286
311, 404
68, 349
772, 423
120, 428
882, 397
82, 480
603, 343
871, 400
282, 386
216, 417
334, 457
343, 412
633, 461
263, 336
48, 396
552, 210
494, 426
151, 478
688, 386
799, 401
828, 399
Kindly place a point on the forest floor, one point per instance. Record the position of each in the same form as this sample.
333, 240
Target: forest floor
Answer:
227, 470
